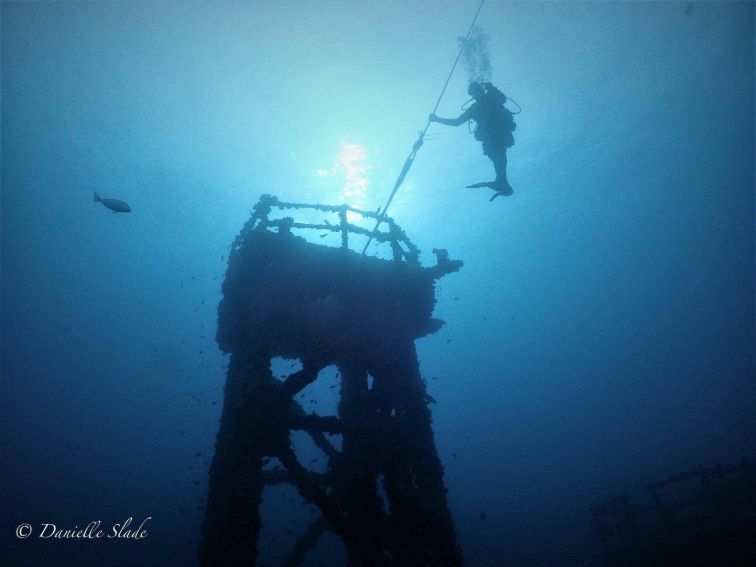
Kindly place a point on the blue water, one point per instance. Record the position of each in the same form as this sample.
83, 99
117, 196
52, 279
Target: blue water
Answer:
600, 335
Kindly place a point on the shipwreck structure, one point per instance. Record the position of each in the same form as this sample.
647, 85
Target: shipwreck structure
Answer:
286, 297
705, 516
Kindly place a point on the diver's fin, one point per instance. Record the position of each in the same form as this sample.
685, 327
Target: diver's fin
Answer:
502, 187
501, 190
96, 197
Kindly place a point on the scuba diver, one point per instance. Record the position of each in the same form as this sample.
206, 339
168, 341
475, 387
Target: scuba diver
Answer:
494, 127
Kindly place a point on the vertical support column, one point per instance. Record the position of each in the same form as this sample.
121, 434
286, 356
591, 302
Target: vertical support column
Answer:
344, 227
232, 523
355, 471
412, 470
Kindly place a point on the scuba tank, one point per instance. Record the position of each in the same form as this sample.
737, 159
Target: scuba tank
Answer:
497, 122
494, 94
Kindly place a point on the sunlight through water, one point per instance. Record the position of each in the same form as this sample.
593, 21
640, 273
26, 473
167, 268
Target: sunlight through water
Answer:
350, 168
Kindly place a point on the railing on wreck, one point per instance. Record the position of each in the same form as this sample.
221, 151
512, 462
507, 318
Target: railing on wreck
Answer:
623, 533
401, 246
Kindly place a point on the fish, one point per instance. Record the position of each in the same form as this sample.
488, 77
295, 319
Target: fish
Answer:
113, 204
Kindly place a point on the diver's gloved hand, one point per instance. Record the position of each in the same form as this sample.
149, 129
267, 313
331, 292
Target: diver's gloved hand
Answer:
432, 117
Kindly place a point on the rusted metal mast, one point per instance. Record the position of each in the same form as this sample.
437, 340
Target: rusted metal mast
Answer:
285, 297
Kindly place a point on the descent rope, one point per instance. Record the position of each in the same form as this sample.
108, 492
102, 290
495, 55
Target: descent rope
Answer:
419, 142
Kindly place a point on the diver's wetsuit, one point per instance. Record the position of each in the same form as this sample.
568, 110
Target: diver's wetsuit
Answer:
496, 150
494, 126
496, 136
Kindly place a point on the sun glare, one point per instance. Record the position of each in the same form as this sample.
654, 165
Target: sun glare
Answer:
350, 168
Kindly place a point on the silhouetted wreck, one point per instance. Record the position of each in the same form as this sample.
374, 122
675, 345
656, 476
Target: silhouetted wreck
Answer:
286, 297
706, 517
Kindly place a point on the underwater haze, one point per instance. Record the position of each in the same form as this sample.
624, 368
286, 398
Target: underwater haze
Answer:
599, 337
